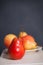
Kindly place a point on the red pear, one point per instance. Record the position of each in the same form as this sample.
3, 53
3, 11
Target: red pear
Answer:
16, 49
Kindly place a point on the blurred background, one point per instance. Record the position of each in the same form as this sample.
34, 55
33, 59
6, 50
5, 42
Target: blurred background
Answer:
21, 15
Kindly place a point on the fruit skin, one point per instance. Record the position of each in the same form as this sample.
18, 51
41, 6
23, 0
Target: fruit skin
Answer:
28, 37
16, 49
8, 39
28, 42
22, 34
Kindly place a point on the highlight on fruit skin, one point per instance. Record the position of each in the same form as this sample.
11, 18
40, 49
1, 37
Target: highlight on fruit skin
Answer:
21, 34
8, 39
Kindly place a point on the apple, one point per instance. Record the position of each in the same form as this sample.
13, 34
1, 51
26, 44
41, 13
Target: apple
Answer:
22, 34
8, 39
16, 49
28, 42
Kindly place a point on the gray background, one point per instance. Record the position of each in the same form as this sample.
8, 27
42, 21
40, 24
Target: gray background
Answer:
16, 16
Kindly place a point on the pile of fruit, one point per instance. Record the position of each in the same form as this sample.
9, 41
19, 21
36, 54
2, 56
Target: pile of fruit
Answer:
17, 45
